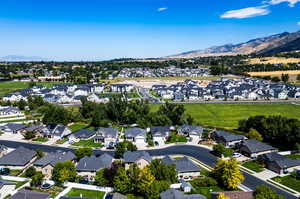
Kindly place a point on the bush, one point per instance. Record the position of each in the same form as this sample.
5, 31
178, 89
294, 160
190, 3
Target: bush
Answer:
204, 182
31, 171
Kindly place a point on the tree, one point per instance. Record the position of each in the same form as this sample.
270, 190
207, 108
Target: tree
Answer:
64, 172
222, 196
29, 135
153, 192
31, 171
39, 154
122, 182
22, 104
37, 179
298, 77
265, 192
275, 79
81, 152
228, 174
145, 180
285, 77
219, 149
254, 134
162, 171
100, 179
124, 146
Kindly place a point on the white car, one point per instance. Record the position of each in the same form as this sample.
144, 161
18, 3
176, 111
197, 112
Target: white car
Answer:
236, 155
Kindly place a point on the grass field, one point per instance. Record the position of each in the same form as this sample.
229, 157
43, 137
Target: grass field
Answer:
273, 60
228, 115
87, 143
253, 165
77, 126
85, 193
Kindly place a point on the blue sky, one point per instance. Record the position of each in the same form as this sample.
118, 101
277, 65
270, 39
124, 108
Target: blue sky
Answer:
105, 29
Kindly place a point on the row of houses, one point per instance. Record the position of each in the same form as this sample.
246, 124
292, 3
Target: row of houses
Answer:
171, 71
254, 149
222, 89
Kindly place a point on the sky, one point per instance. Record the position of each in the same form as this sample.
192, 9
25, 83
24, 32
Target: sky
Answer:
79, 30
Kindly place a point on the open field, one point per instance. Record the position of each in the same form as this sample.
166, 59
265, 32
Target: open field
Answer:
228, 115
275, 73
273, 60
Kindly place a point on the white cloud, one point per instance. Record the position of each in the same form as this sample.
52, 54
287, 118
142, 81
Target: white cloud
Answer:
162, 9
298, 23
292, 3
246, 12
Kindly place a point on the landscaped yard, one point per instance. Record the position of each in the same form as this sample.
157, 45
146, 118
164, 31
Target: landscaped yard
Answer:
85, 193
40, 139
53, 191
77, 126
14, 172
87, 143
253, 165
206, 191
174, 138
294, 156
228, 116
289, 181
61, 141
20, 183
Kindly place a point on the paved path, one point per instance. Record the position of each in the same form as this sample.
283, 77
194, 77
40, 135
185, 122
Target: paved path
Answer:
201, 154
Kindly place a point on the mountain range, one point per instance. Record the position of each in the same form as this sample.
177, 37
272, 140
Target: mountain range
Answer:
282, 42
19, 58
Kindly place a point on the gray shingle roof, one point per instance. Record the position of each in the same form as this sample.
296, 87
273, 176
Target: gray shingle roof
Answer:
133, 156
228, 137
107, 132
175, 194
94, 163
15, 126
134, 132
280, 160
54, 157
182, 165
54, 129
19, 157
255, 146
84, 133
28, 194
3, 182
190, 129
160, 131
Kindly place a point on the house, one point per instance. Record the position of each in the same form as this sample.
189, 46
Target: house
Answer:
121, 88
18, 159
82, 134
6, 188
228, 139
47, 163
88, 166
253, 148
34, 128
56, 131
175, 194
186, 187
141, 158
14, 128
108, 136
136, 135
278, 163
186, 168
160, 134
234, 194
10, 111
192, 131
28, 194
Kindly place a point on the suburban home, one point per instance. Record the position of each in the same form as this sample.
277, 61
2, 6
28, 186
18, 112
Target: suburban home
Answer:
56, 131
192, 131
82, 134
35, 128
14, 128
234, 194
121, 88
136, 135
228, 139
141, 158
88, 166
186, 168
279, 163
160, 134
107, 136
18, 159
6, 188
28, 194
175, 194
10, 111
47, 163
253, 148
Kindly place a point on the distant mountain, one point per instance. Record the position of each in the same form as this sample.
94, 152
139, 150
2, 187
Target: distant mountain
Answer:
18, 58
273, 44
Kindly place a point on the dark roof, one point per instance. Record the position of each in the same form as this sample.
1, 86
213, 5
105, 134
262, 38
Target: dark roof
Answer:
190, 129
133, 132
234, 194
54, 157
175, 194
159, 130
54, 129
19, 157
34, 128
183, 164
133, 156
94, 163
3, 182
15, 126
228, 137
107, 132
84, 133
280, 160
255, 146
26, 194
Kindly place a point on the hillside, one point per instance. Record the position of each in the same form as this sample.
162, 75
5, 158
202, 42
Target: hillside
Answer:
266, 45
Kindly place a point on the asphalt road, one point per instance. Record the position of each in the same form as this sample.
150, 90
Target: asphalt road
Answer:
199, 153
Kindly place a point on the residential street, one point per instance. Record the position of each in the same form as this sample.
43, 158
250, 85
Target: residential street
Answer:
199, 153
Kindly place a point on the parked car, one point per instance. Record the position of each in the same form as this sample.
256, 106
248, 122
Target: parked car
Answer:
236, 155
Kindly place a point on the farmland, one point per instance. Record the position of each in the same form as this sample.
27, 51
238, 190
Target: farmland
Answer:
273, 60
228, 116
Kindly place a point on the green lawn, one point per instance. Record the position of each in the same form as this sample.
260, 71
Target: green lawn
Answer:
77, 126
19, 183
289, 181
61, 141
40, 139
174, 138
294, 156
86, 193
15, 172
87, 143
253, 165
206, 191
228, 115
